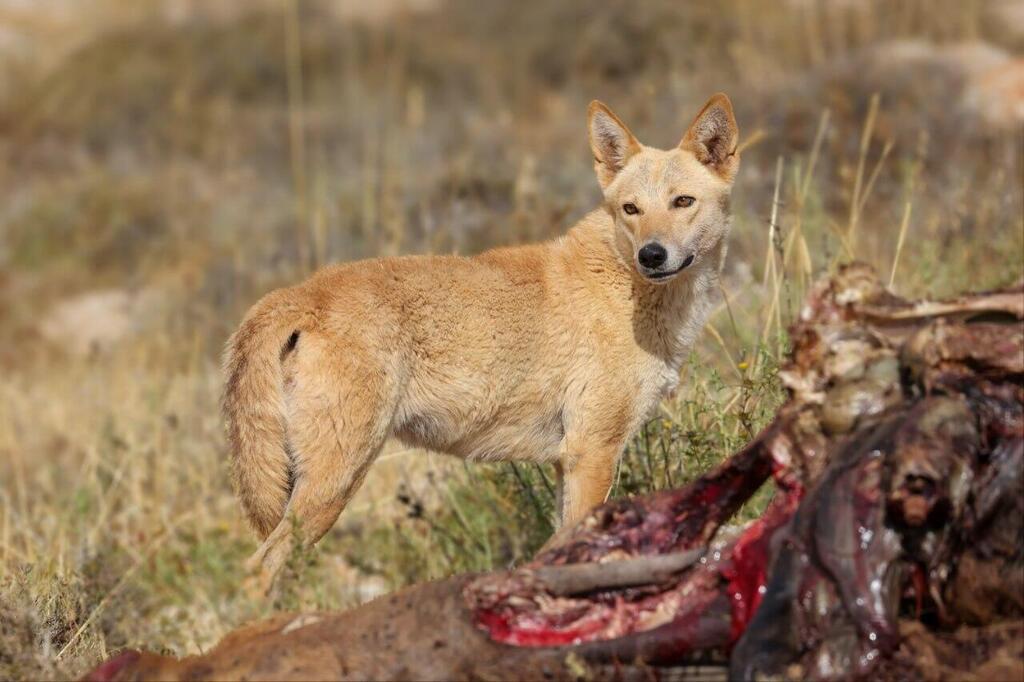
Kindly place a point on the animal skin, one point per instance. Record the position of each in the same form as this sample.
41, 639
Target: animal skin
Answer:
552, 352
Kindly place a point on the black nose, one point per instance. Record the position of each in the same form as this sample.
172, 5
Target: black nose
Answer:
652, 255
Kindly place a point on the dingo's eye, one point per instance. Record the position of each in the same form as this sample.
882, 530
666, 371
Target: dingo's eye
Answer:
683, 201
630, 209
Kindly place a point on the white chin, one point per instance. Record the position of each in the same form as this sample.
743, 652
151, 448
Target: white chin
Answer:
663, 279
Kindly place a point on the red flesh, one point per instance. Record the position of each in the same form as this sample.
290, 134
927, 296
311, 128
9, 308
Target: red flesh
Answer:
738, 570
747, 574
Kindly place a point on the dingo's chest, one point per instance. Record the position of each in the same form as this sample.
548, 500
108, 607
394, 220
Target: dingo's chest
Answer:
658, 380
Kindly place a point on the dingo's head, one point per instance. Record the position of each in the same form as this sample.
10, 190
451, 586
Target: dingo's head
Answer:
670, 207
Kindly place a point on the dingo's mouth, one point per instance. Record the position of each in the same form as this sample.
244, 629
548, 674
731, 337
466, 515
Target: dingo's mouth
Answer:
663, 276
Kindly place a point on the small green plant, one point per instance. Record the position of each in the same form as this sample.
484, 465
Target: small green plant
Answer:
477, 518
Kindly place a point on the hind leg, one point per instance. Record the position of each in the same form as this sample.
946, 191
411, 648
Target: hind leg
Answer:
339, 415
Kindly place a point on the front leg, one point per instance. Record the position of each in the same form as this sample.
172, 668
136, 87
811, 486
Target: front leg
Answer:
584, 477
587, 477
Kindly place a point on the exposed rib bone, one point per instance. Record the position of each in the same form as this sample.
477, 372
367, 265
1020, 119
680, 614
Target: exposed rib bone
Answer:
643, 570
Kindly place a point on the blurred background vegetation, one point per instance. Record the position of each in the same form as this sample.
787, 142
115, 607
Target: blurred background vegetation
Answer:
165, 162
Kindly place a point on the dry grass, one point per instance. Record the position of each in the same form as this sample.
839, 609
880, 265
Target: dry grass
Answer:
189, 160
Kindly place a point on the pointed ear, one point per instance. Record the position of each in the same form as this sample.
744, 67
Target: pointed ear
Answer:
611, 142
713, 137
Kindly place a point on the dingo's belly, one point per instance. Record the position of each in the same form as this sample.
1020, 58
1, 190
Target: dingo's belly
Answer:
535, 440
478, 421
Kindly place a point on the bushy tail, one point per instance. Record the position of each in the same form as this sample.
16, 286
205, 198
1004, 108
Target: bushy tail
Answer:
254, 410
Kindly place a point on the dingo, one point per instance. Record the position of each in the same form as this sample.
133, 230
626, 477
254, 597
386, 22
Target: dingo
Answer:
553, 352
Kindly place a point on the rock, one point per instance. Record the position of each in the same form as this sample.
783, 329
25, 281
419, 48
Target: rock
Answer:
96, 321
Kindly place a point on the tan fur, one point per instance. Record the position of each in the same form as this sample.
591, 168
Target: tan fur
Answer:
554, 352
